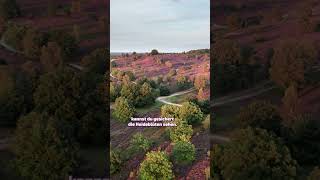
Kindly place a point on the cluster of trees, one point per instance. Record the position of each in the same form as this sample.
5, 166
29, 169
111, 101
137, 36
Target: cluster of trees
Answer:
15, 99
264, 135
55, 114
235, 67
157, 163
291, 62
129, 95
30, 41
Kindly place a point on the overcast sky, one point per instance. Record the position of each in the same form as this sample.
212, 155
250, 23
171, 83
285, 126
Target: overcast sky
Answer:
166, 25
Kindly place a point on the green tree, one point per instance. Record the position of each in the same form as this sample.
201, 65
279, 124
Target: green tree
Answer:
291, 60
253, 154
183, 152
114, 91
67, 42
15, 99
154, 52
156, 166
226, 52
140, 143
130, 91
260, 114
115, 161
96, 61
123, 110
302, 136
183, 82
182, 132
201, 96
41, 151
190, 113
290, 103
169, 111
51, 57
200, 82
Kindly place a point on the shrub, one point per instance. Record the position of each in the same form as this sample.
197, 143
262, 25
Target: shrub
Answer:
156, 166
169, 111
164, 90
183, 152
115, 161
140, 143
123, 110
260, 114
182, 132
190, 113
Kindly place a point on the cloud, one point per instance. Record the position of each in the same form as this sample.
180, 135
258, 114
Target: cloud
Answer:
143, 24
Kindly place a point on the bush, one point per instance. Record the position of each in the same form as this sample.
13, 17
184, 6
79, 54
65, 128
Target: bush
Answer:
183, 152
169, 111
183, 83
140, 143
164, 90
156, 166
291, 60
123, 111
190, 113
115, 161
182, 132
260, 114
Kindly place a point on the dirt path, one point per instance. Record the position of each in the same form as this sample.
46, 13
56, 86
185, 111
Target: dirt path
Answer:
260, 89
9, 48
164, 100
78, 67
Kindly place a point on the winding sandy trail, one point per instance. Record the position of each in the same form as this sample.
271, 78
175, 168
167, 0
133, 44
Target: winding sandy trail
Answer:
164, 100
263, 88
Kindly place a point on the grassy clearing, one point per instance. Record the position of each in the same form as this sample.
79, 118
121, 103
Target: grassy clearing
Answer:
181, 98
155, 106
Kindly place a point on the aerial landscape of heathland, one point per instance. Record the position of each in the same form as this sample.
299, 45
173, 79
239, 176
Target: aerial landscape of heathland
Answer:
53, 104
265, 73
168, 85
